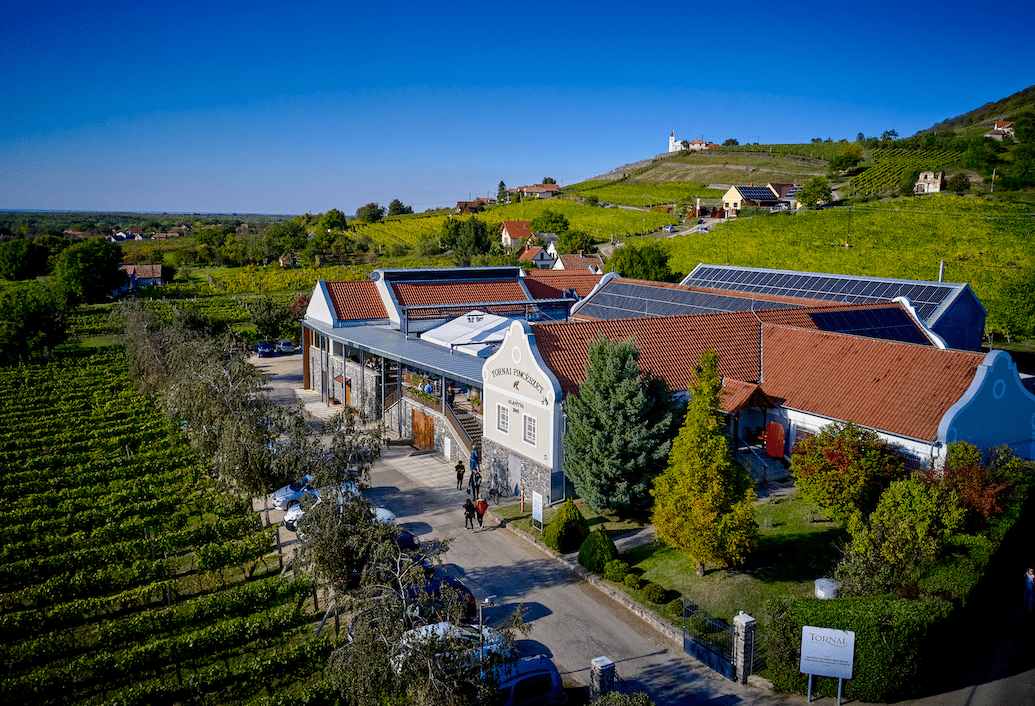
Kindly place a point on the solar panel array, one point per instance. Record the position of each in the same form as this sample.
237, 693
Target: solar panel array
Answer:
887, 324
925, 296
757, 193
627, 300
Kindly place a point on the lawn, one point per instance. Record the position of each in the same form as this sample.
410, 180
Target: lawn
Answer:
796, 546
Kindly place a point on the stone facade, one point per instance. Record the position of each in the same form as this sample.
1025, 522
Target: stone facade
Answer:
534, 476
365, 383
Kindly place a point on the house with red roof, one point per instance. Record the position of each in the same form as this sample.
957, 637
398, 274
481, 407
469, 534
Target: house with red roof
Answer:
535, 255
515, 234
580, 261
1002, 128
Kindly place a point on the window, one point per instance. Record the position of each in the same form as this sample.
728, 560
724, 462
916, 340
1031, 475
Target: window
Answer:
530, 429
503, 419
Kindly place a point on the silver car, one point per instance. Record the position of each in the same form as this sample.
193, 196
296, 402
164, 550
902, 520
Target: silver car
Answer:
290, 494
284, 346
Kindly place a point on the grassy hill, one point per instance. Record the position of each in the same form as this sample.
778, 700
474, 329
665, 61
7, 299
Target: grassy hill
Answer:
983, 244
980, 120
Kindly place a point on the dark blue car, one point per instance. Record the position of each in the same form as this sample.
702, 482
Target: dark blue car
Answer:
265, 350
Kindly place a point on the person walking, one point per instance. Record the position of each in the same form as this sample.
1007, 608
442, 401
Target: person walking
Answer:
469, 514
480, 508
459, 475
474, 485
1029, 587
475, 465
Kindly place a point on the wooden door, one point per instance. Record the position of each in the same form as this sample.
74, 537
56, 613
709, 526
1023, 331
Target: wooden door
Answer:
423, 430
348, 391
774, 440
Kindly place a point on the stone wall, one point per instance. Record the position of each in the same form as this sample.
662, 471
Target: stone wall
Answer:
496, 464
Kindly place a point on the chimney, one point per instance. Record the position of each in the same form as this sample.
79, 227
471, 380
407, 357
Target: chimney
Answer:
582, 253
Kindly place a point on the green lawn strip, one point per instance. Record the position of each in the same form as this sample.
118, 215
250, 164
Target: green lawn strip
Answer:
796, 546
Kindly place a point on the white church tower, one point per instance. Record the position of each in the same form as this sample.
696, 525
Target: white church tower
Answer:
675, 145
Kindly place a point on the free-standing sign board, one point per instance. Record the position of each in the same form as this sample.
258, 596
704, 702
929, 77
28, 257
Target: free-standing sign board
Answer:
827, 653
537, 510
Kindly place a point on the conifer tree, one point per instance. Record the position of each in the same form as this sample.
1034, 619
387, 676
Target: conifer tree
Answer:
703, 500
619, 433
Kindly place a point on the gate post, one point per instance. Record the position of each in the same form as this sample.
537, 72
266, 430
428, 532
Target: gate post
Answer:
743, 646
601, 677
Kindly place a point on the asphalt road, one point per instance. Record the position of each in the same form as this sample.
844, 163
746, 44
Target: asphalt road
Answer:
573, 622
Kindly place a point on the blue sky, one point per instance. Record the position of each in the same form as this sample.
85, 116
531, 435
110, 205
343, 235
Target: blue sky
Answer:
268, 108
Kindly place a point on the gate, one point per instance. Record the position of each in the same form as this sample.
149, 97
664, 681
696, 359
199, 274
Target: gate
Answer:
708, 640
423, 430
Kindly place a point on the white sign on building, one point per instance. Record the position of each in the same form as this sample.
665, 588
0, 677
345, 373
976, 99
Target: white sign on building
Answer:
827, 653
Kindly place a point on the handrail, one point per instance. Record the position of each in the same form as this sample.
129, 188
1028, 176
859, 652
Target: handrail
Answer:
391, 400
454, 422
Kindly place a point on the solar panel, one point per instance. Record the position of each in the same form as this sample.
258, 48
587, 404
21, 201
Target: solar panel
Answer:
886, 324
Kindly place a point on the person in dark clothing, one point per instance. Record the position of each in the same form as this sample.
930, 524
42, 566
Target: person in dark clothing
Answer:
469, 514
459, 475
474, 485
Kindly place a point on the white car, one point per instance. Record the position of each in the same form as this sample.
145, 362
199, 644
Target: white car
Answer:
284, 346
471, 642
290, 494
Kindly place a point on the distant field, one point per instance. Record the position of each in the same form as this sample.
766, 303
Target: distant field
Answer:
600, 223
817, 150
981, 243
891, 164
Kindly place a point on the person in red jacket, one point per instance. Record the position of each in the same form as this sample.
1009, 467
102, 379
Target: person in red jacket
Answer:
480, 508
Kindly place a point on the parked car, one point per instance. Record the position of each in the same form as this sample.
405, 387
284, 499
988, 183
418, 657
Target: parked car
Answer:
265, 349
470, 643
289, 495
309, 498
531, 681
284, 346
669, 229
435, 597
701, 229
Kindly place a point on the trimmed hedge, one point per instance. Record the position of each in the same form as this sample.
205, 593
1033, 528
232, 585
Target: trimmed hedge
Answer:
596, 551
568, 530
891, 635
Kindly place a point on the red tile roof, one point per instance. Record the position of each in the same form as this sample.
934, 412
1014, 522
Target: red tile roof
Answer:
550, 284
425, 293
517, 229
528, 252
581, 262
670, 346
354, 301
143, 271
896, 387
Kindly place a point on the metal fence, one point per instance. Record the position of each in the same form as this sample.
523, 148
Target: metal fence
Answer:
708, 639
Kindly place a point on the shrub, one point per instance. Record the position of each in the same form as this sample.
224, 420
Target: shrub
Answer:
615, 570
617, 698
597, 551
654, 593
632, 581
675, 607
568, 530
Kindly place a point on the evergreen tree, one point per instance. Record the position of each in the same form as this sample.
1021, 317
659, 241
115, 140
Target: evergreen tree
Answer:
502, 194
619, 429
703, 502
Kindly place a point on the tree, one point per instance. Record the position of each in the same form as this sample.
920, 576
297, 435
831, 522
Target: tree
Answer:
269, 317
648, 260
502, 195
1024, 126
550, 221
548, 180
730, 143
22, 259
860, 137
371, 213
33, 321
907, 183
817, 140
815, 190
846, 158
333, 220
89, 270
889, 135
958, 183
703, 502
619, 429
471, 239
396, 208
904, 534
572, 241
844, 469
